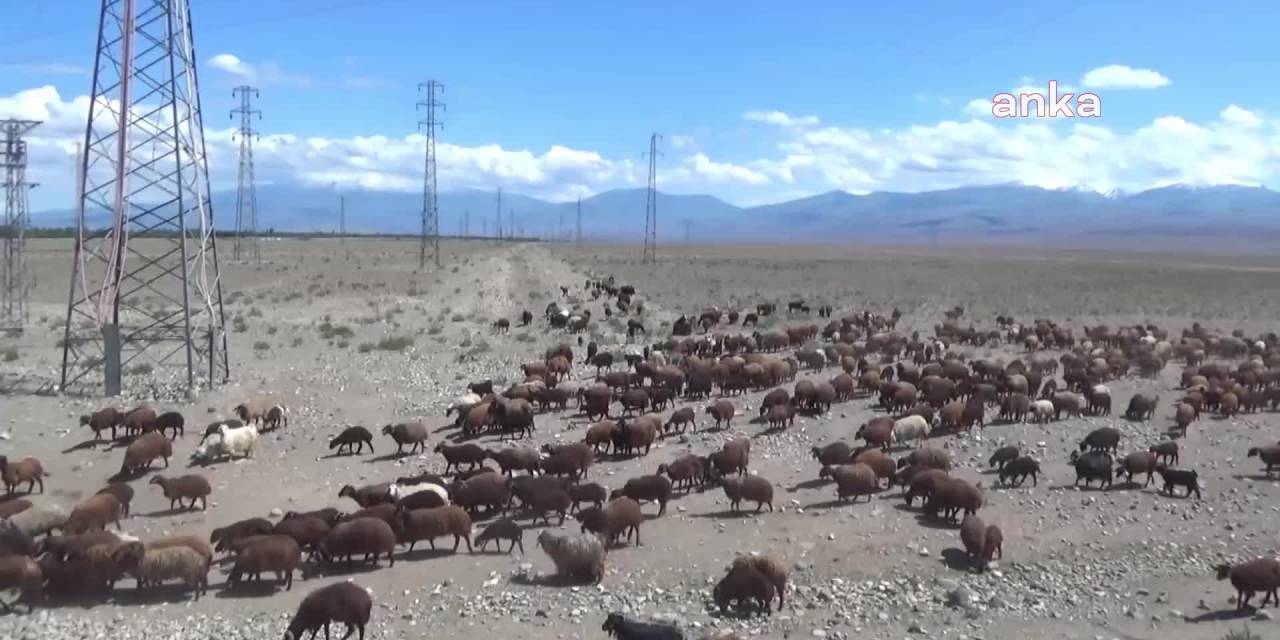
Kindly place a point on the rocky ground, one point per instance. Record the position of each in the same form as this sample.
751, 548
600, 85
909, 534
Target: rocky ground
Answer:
1123, 563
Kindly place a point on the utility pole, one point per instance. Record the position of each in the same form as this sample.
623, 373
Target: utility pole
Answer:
430, 237
511, 223
145, 288
342, 217
498, 217
687, 236
466, 222
578, 234
17, 281
247, 188
651, 205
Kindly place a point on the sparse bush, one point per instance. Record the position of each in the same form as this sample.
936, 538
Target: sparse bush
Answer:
239, 325
9, 354
261, 345
343, 344
141, 369
255, 313
271, 331
330, 331
394, 343
297, 342
435, 330
365, 347
1241, 634
457, 317
524, 337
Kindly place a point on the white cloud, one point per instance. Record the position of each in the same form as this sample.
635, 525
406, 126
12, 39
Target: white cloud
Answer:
1240, 117
723, 172
680, 141
231, 64
780, 119
1118, 76
44, 68
266, 73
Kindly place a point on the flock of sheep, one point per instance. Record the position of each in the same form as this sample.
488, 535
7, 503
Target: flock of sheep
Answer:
925, 389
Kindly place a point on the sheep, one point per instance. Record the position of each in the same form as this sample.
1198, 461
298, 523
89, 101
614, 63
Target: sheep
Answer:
278, 554
307, 531
722, 411
1262, 574
8, 508
686, 470
1091, 466
214, 427
237, 442
410, 433
277, 417
488, 490
368, 495
95, 513
912, 427
368, 536
499, 530
679, 420
745, 585
122, 492
154, 566
429, 524
1269, 455
15, 541
61, 547
1103, 439
773, 568
973, 534
101, 420
928, 457
637, 434
144, 450
836, 453
524, 488
852, 480
353, 439
623, 629
621, 516
1167, 451
254, 410
1187, 478
733, 457
462, 404
193, 543
878, 432
750, 487
514, 459
592, 492
425, 495
223, 537
27, 470
649, 488
190, 487
455, 456
1018, 469
571, 460
21, 573
139, 420
385, 512
1042, 410
328, 515
40, 519
171, 421
546, 500
344, 602
1136, 463
923, 485
993, 544
879, 462
952, 496
1003, 456
578, 557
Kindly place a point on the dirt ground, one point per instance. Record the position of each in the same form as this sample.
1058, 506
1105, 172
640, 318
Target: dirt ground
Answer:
1124, 563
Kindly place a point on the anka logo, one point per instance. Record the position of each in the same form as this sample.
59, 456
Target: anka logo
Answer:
1050, 104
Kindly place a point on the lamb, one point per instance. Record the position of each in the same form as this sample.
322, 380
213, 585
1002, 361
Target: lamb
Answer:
122, 492
514, 459
344, 602
353, 439
154, 566
144, 450
40, 519
21, 573
592, 492
973, 533
101, 420
1003, 456
578, 557
1167, 451
368, 495
223, 537
368, 536
1018, 470
429, 524
27, 470
1269, 455
912, 427
499, 530
745, 585
190, 487
621, 516
410, 433
1251, 577
455, 456
171, 421
277, 554
773, 568
649, 488
836, 453
1136, 463
95, 513
685, 470
623, 629
277, 417
1103, 439
852, 480
1187, 478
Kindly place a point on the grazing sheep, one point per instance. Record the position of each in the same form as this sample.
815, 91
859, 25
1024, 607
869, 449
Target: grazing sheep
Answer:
278, 554
773, 568
952, 496
638, 434
973, 533
27, 470
1269, 455
353, 439
455, 456
254, 410
836, 453
879, 462
223, 537
95, 513
578, 557
1003, 456
410, 433
1251, 577
344, 602
144, 450
910, 428
1167, 451
429, 524
680, 418
190, 487
21, 573
1104, 439
623, 629
122, 492
101, 420
647, 488
368, 495
171, 421
40, 519
369, 537
854, 480
1018, 469
745, 585
152, 567
749, 487
1137, 463
1186, 478
499, 530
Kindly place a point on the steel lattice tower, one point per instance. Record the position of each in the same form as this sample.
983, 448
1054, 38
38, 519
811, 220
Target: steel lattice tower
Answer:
651, 204
145, 286
430, 212
247, 186
17, 280
578, 229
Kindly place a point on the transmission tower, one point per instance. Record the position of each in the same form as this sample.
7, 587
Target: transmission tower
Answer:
430, 214
688, 238
17, 281
342, 217
145, 287
247, 187
466, 222
498, 217
578, 230
651, 205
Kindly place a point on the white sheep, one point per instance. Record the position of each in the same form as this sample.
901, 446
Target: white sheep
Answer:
578, 556
40, 519
239, 443
1042, 410
912, 427
399, 492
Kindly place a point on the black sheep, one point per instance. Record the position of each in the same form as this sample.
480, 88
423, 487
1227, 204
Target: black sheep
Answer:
1091, 466
352, 438
1104, 439
482, 388
623, 629
1018, 469
343, 602
1186, 478
1003, 456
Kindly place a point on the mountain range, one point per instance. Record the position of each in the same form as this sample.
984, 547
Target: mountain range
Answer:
993, 213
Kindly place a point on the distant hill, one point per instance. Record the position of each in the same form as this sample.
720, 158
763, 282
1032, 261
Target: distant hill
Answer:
978, 213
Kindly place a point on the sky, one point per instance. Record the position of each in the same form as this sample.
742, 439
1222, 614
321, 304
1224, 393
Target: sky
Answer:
756, 102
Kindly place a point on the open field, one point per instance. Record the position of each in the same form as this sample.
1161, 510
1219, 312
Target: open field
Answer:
1127, 562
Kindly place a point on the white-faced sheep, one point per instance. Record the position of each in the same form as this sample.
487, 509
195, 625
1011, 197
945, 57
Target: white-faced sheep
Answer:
418, 496
343, 602
154, 566
578, 557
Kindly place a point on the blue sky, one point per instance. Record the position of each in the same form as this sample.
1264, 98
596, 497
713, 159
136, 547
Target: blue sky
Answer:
877, 95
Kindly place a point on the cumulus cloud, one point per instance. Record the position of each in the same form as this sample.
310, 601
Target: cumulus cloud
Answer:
231, 64
723, 172
1240, 117
1118, 76
780, 119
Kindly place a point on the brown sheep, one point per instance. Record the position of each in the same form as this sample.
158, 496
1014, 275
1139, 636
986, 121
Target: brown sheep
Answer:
973, 533
223, 537
746, 586
193, 543
277, 554
499, 530
637, 434
881, 463
140, 420
733, 457
190, 487
122, 492
101, 420
413, 434
649, 488
514, 459
782, 415
487, 490
680, 418
686, 470
1166, 451
368, 495
924, 484
591, 492
928, 457
21, 573
27, 470
1269, 455
772, 568
152, 567
343, 602
1138, 463
749, 487
1251, 577
877, 433
836, 453
144, 450
1184, 416
429, 524
11, 508
384, 512
621, 516
369, 537
546, 500
852, 480
722, 411
571, 460
306, 530
95, 513
952, 496
993, 544
470, 454
601, 433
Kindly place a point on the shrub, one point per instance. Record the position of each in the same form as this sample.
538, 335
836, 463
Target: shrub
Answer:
10, 354
139, 369
297, 342
271, 331
239, 325
261, 346
330, 331
394, 343
365, 347
1241, 634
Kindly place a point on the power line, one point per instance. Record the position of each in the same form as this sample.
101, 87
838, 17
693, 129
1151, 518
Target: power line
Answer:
430, 238
651, 204
247, 187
